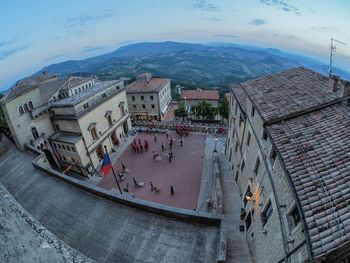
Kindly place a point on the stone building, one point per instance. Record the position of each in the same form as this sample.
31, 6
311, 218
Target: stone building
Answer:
288, 145
148, 98
78, 116
192, 97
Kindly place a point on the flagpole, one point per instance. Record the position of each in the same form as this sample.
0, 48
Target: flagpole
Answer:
113, 171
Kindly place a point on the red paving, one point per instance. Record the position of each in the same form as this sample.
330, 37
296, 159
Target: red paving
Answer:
184, 172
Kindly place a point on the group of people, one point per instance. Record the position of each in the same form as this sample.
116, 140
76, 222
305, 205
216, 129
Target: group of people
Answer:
183, 130
139, 147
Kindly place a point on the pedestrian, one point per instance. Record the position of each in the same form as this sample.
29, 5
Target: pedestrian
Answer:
139, 141
172, 190
151, 184
146, 145
155, 138
169, 158
134, 181
181, 142
141, 148
124, 167
163, 147
167, 134
171, 144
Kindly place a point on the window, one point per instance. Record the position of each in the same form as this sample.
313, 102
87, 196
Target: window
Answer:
143, 106
257, 165
55, 145
117, 87
57, 127
266, 215
293, 218
35, 133
63, 147
152, 106
21, 111
31, 106
230, 155
248, 221
64, 157
59, 146
86, 86
73, 149
142, 97
273, 156
86, 105
93, 133
73, 160
133, 97
68, 149
134, 106
248, 138
151, 97
264, 135
236, 146
253, 111
90, 84
109, 120
26, 109
242, 166
79, 89
236, 177
104, 95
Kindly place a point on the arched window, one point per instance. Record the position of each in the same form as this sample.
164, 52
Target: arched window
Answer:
26, 109
21, 111
35, 133
31, 107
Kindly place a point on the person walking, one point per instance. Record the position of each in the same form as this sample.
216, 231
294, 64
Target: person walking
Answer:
124, 167
151, 184
163, 147
155, 138
146, 145
181, 141
141, 148
172, 190
139, 141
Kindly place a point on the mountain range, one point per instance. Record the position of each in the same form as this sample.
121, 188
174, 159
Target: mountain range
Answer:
208, 66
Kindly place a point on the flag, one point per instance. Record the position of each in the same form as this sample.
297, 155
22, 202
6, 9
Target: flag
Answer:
56, 152
106, 165
68, 168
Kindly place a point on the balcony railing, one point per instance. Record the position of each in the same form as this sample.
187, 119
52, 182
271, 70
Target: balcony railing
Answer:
41, 140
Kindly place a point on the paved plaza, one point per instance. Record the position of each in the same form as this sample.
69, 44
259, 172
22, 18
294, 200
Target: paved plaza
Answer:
184, 172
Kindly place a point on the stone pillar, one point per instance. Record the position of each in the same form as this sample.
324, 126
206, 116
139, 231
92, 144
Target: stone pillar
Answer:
333, 83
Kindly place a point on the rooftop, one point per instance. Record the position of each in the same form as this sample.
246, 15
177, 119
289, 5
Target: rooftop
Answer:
239, 94
83, 95
315, 148
200, 94
142, 75
289, 92
67, 137
153, 85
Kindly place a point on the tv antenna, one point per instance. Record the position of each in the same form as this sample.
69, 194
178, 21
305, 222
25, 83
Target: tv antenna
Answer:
333, 48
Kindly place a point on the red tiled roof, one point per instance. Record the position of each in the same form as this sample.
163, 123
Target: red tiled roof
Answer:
153, 85
143, 75
315, 148
200, 94
289, 92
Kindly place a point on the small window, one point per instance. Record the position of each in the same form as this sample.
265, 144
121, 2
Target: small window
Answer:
264, 135
266, 215
63, 147
293, 218
253, 111
248, 138
117, 87
26, 109
248, 221
257, 166
143, 106
86, 105
151, 97
90, 84
152, 106
59, 146
64, 157
133, 97
109, 120
73, 149
134, 106
79, 89
242, 166
73, 160
52, 112
104, 95
68, 149
229, 159
21, 111
31, 106
273, 156
57, 127
55, 145
236, 147
142, 97
93, 133
236, 177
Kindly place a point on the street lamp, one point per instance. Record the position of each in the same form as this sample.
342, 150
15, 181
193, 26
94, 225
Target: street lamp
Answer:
248, 196
216, 140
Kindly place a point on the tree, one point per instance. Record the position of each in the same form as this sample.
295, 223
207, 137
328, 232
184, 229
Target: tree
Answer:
223, 107
204, 109
181, 111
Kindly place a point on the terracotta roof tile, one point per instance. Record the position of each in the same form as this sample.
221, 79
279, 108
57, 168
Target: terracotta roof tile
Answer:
200, 94
153, 85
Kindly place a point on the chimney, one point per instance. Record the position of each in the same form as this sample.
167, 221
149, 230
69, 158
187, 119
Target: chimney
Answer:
333, 83
44, 73
345, 91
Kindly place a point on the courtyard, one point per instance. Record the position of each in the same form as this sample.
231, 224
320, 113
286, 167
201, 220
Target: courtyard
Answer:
184, 172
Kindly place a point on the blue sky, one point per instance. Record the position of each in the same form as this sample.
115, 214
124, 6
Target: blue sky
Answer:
34, 34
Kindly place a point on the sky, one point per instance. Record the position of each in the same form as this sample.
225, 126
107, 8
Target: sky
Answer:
34, 34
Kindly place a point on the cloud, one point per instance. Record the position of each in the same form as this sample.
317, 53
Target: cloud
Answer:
282, 5
319, 28
214, 19
92, 48
204, 5
8, 42
258, 22
226, 35
9, 52
57, 56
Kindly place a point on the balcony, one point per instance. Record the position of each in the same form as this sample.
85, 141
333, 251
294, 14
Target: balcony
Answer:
41, 140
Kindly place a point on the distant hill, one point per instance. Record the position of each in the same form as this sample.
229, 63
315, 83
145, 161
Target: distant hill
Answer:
204, 65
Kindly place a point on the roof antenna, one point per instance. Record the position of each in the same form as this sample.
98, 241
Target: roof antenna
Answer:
332, 47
